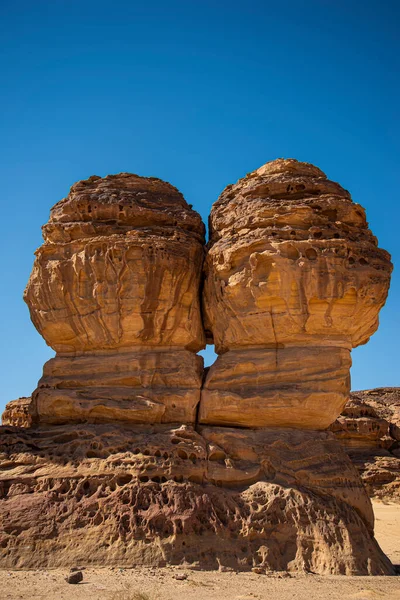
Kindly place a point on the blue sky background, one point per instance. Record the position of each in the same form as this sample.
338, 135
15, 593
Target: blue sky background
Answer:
197, 93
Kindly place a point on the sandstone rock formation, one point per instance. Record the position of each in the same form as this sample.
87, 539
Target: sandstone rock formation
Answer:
115, 291
369, 430
18, 412
294, 280
116, 495
116, 469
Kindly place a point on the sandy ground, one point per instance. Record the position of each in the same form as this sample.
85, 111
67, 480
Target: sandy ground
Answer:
160, 584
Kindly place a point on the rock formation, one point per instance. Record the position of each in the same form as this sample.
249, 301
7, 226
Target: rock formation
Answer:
294, 280
121, 495
369, 430
116, 468
18, 413
115, 291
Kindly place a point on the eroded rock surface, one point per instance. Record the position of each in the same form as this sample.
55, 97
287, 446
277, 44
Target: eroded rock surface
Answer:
115, 291
369, 430
117, 469
293, 278
18, 412
107, 494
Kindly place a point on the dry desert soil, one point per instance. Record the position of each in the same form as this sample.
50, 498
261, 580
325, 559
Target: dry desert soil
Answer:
161, 584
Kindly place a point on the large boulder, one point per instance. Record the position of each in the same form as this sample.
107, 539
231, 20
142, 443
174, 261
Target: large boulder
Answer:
294, 280
115, 291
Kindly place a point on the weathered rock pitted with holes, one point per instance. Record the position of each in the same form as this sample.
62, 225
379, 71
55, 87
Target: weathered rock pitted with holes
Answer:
115, 291
369, 430
112, 495
18, 413
113, 470
294, 280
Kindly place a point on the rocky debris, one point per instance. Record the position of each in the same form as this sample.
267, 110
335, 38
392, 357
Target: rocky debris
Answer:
269, 498
293, 280
18, 412
180, 576
369, 430
115, 291
74, 577
127, 461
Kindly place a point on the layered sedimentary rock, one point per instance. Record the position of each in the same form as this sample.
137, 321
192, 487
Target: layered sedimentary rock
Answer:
293, 280
18, 412
369, 430
116, 469
112, 495
115, 291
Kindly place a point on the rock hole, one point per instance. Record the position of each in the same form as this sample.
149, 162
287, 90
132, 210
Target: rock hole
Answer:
362, 261
317, 234
182, 454
330, 213
217, 455
351, 260
124, 479
143, 478
292, 252
311, 254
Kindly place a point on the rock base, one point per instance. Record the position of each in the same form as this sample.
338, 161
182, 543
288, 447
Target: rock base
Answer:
146, 385
102, 494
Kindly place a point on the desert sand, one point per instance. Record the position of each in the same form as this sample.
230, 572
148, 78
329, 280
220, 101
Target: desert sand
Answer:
160, 584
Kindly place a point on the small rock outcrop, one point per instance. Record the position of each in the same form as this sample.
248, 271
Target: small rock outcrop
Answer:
293, 281
115, 291
369, 430
18, 412
130, 459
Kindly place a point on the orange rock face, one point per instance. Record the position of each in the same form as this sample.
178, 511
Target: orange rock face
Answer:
130, 458
115, 291
294, 280
18, 413
110, 494
369, 430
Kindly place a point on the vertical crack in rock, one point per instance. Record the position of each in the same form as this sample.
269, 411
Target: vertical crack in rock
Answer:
117, 461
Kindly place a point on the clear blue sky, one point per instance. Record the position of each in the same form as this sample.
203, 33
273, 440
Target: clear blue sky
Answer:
197, 93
